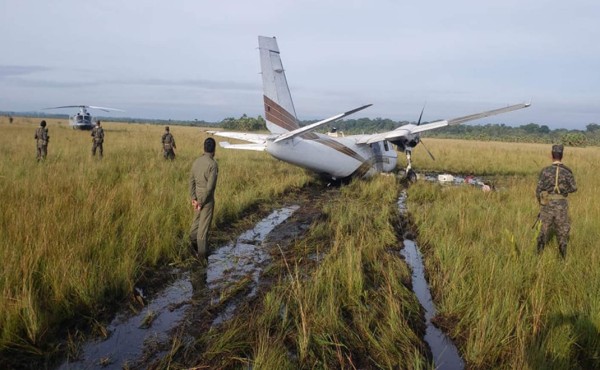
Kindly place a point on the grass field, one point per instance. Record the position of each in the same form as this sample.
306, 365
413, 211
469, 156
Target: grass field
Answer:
77, 232
354, 309
505, 305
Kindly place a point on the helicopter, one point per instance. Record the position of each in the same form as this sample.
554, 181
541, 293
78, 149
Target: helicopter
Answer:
83, 120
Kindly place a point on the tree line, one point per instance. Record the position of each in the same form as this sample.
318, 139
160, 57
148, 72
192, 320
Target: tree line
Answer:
531, 132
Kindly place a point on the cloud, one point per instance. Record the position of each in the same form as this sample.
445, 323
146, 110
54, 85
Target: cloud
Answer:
195, 83
13, 70
13, 75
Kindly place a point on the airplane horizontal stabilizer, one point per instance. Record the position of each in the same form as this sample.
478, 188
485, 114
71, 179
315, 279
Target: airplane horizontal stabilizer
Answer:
253, 138
255, 147
301, 130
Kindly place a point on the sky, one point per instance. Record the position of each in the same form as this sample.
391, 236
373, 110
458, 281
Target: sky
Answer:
196, 59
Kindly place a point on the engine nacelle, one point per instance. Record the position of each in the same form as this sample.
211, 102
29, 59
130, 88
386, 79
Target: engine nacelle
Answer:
406, 142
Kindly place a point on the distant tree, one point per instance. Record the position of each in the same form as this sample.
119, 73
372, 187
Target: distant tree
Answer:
592, 127
244, 123
531, 128
574, 139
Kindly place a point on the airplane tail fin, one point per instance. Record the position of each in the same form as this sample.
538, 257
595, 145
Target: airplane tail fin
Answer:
279, 107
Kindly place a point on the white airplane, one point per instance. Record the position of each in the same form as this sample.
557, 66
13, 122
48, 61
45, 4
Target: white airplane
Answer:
83, 120
330, 156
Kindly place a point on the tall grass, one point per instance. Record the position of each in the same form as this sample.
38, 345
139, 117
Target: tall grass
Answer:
77, 232
507, 306
351, 310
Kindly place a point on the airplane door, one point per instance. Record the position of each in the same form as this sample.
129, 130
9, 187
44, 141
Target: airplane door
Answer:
377, 156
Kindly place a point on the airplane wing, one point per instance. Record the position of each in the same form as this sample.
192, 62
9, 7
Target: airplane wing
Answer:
301, 130
414, 129
253, 138
256, 147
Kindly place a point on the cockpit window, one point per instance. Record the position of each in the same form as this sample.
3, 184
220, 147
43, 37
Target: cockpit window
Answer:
385, 145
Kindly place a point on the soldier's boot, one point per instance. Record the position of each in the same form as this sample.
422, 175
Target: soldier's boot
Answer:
562, 250
202, 251
540, 246
193, 248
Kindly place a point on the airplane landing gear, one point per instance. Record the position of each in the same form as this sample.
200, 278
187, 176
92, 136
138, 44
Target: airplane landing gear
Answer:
411, 175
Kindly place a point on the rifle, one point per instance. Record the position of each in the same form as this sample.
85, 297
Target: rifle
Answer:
537, 219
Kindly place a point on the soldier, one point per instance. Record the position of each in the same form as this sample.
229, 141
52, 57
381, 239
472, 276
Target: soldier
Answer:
97, 139
168, 142
203, 182
554, 185
42, 138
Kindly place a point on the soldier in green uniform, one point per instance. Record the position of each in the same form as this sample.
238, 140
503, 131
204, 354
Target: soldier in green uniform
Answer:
168, 142
554, 185
97, 139
42, 138
203, 182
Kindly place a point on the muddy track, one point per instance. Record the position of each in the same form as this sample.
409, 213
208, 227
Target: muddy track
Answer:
195, 298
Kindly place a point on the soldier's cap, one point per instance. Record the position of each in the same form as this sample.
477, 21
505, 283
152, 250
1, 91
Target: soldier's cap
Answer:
43, 123
167, 128
558, 149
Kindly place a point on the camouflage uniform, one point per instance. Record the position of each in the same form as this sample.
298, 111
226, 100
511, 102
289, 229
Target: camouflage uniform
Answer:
203, 182
554, 185
98, 140
42, 138
168, 142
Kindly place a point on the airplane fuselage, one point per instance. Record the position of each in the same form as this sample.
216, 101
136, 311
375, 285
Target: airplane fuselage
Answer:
335, 157
330, 156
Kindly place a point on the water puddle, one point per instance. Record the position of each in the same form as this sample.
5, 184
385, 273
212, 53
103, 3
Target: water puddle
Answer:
243, 259
128, 336
445, 354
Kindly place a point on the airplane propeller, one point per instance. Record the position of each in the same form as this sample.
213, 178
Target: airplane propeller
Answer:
421, 116
421, 141
427, 150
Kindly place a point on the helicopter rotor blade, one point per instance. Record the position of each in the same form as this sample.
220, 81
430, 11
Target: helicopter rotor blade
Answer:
88, 106
106, 109
67, 106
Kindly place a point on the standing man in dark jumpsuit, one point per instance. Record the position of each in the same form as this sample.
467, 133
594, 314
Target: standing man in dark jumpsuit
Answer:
168, 142
203, 182
42, 138
554, 185
97, 139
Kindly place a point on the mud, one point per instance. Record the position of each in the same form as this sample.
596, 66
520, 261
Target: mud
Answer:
444, 352
240, 286
242, 260
204, 296
129, 335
